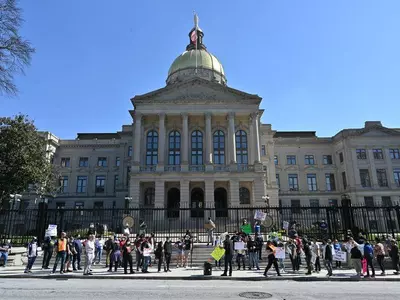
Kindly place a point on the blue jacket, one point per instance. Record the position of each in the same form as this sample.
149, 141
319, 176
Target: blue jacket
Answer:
78, 245
368, 250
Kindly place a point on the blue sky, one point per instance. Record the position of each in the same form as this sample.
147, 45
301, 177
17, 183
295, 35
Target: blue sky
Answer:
318, 65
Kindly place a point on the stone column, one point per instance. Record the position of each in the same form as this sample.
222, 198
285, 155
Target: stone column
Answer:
389, 174
209, 149
136, 146
185, 200
185, 143
231, 138
161, 143
372, 169
209, 195
159, 197
256, 137
234, 193
134, 192
250, 142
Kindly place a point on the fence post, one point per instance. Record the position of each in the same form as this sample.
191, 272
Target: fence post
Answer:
398, 215
347, 215
328, 220
42, 221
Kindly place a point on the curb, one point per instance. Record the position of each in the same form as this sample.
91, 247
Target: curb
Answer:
197, 277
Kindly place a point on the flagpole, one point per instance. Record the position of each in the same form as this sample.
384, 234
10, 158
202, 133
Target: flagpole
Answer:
197, 38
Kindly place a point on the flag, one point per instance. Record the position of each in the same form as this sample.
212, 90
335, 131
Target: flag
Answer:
193, 36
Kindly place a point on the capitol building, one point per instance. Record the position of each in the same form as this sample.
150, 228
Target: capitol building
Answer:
198, 142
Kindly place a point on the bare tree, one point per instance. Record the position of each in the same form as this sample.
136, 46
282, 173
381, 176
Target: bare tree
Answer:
15, 52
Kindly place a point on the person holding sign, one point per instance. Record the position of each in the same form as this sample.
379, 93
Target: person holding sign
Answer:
210, 226
228, 255
270, 250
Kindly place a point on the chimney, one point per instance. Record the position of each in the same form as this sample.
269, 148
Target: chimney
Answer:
369, 124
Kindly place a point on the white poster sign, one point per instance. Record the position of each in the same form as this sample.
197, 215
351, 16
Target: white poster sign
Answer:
285, 225
239, 246
259, 215
280, 253
340, 256
51, 230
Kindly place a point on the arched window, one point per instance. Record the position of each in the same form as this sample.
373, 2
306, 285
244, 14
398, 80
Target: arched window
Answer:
174, 154
244, 195
197, 148
219, 147
149, 195
241, 147
152, 148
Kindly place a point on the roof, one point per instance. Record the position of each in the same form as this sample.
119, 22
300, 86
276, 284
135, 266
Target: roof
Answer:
295, 134
99, 136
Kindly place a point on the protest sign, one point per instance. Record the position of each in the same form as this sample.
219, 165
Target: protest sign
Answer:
246, 228
218, 253
340, 256
259, 215
285, 225
51, 230
280, 253
239, 246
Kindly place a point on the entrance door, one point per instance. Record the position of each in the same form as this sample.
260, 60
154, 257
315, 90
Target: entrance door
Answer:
173, 203
221, 203
197, 203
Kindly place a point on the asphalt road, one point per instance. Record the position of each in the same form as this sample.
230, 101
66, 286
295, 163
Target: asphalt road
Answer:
35, 289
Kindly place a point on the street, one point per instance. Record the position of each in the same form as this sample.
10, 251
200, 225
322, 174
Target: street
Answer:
16, 289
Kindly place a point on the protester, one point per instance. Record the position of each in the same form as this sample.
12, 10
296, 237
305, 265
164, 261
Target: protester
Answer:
139, 256
379, 251
369, 256
308, 254
115, 256
5, 249
99, 244
146, 250
210, 231
337, 247
89, 255
70, 254
188, 240
270, 251
32, 254
316, 250
240, 255
61, 248
167, 253
48, 249
328, 258
77, 254
227, 245
108, 245
158, 253
253, 255
127, 250
394, 255
356, 259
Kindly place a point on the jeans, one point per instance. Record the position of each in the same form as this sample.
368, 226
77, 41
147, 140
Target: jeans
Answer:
5, 256
99, 253
259, 252
115, 260
272, 261
210, 237
228, 263
31, 261
281, 264
328, 266
146, 263
309, 264
395, 262
380, 259
127, 259
370, 264
88, 262
60, 256
317, 264
357, 265
48, 254
167, 260
297, 261
76, 261
253, 257
160, 263
293, 261
241, 258
139, 260
338, 264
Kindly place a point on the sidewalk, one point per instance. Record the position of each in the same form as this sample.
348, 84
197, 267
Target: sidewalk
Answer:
190, 274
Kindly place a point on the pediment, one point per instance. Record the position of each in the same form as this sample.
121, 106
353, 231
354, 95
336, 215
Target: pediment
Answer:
199, 91
378, 131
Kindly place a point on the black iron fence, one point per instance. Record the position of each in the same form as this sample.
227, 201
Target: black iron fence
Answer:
315, 222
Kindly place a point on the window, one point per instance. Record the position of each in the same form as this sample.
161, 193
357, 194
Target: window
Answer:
344, 180
291, 159
241, 147
276, 160
79, 208
278, 182
64, 184
116, 181
100, 183
382, 177
197, 148
386, 201
152, 148
81, 184
102, 161
117, 161
149, 196
327, 159
309, 160
341, 158
174, 152
84, 162
394, 153
396, 175
361, 153
364, 176
312, 182
378, 153
369, 201
244, 195
314, 204
65, 162
129, 151
98, 209
333, 202
293, 182
296, 207
219, 147
263, 150
330, 182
